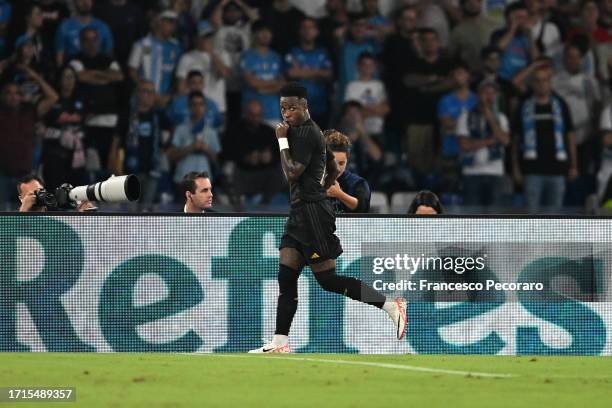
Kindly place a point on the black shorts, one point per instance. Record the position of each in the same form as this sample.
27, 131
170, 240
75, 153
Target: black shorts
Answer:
310, 229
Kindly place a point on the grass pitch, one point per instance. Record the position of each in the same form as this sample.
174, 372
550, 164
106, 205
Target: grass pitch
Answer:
308, 380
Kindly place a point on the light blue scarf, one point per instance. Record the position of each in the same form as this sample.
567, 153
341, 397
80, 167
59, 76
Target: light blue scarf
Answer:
530, 148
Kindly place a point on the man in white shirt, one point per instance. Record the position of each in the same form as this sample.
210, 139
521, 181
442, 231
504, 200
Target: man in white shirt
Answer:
197, 191
212, 63
370, 93
483, 135
582, 94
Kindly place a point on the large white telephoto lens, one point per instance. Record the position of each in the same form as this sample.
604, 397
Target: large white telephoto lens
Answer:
114, 190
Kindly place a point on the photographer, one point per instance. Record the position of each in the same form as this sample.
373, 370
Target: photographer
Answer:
27, 188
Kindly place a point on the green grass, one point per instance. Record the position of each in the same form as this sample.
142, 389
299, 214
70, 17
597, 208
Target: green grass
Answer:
178, 380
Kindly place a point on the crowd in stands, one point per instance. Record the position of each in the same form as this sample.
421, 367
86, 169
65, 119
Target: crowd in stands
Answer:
488, 103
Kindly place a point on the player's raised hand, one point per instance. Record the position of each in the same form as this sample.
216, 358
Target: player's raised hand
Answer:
281, 130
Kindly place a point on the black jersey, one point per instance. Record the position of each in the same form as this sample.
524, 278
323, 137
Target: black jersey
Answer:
307, 146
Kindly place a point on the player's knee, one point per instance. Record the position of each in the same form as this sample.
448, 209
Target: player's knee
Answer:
288, 281
328, 280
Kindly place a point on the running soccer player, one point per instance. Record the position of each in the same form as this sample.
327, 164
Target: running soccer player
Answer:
309, 232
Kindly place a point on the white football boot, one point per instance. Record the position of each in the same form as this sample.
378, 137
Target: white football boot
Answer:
272, 347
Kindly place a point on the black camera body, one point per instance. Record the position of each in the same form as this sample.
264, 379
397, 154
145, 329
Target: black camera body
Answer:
57, 200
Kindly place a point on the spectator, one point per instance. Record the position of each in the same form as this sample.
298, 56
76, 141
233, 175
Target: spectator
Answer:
178, 109
24, 57
6, 11
366, 152
212, 63
98, 75
252, 145
186, 26
155, 56
544, 34
401, 98
284, 21
471, 35
430, 77
370, 93
144, 136
127, 22
350, 193
515, 42
491, 57
63, 150
605, 170
425, 203
232, 22
196, 190
544, 151
433, 15
350, 51
312, 67
67, 40
451, 106
262, 73
17, 136
333, 27
603, 33
43, 56
483, 135
583, 34
54, 12
581, 92
379, 26
194, 146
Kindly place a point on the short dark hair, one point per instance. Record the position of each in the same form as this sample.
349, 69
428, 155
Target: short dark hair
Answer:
188, 181
427, 198
26, 179
196, 94
397, 14
365, 55
517, 5
260, 25
488, 50
460, 64
294, 89
354, 17
348, 105
194, 73
307, 18
428, 30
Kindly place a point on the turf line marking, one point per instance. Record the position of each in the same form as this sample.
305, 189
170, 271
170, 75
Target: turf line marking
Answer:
375, 364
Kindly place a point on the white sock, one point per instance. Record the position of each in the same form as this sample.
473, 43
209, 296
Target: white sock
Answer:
390, 307
280, 340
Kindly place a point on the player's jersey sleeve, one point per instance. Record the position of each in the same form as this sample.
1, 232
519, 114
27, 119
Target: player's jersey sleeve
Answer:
301, 145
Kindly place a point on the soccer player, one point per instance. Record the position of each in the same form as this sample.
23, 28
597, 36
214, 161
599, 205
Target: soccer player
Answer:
309, 232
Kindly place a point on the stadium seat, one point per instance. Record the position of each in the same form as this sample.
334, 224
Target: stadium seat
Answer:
400, 201
379, 203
